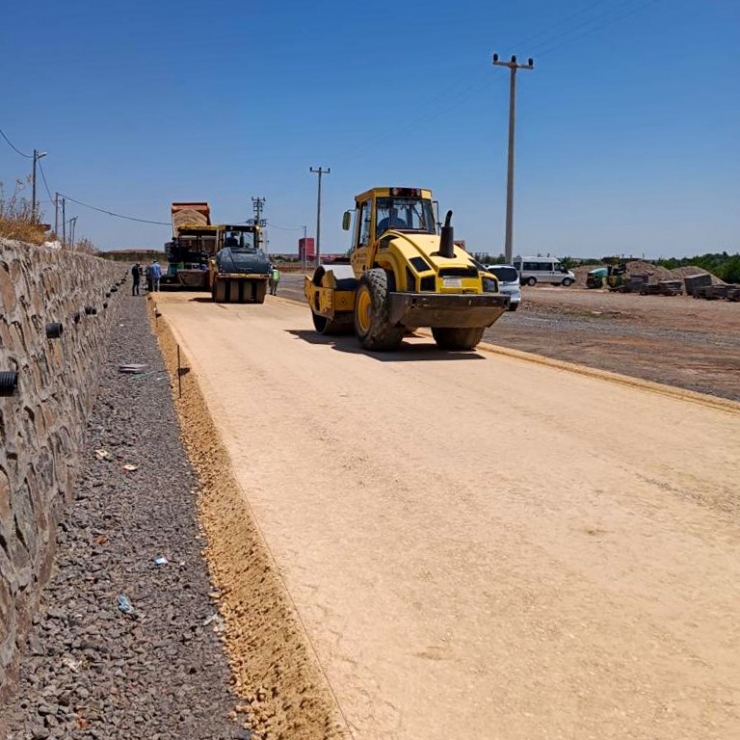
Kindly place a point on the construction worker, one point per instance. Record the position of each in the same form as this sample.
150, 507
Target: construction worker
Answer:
136, 274
274, 279
156, 273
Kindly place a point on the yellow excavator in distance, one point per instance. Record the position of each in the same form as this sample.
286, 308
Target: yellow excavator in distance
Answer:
401, 276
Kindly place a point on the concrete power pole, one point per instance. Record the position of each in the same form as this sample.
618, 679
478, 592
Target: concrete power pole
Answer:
56, 216
320, 171
513, 67
34, 206
64, 221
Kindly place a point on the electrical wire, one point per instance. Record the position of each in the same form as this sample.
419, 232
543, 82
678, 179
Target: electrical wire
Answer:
476, 84
284, 228
610, 22
117, 215
461, 94
46, 185
544, 31
12, 146
458, 95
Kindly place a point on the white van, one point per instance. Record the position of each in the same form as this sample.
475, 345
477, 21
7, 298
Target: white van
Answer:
533, 270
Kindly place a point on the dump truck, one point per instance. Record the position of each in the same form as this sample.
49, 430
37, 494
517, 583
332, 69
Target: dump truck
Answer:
192, 245
225, 259
401, 275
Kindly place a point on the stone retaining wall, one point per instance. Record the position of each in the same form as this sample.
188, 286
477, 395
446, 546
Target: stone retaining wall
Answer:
42, 424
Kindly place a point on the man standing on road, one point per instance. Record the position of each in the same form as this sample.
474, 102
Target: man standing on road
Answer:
274, 279
156, 273
136, 273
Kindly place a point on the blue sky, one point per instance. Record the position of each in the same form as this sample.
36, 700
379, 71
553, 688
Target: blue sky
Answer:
627, 129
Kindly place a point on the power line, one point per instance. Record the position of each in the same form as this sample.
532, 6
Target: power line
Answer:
481, 78
529, 40
46, 185
588, 31
116, 215
18, 151
284, 228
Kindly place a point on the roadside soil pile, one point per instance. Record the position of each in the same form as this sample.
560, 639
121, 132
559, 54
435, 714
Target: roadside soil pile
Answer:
123, 646
655, 272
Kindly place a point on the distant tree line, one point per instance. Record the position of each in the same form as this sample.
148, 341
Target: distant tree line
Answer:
725, 266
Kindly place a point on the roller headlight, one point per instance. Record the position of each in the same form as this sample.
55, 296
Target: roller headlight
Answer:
490, 285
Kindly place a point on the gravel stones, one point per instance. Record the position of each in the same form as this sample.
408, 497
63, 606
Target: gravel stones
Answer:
91, 670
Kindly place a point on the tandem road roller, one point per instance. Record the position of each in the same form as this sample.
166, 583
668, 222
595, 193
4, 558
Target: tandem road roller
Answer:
401, 276
225, 259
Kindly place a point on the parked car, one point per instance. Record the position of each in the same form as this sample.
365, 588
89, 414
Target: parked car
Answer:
508, 279
533, 270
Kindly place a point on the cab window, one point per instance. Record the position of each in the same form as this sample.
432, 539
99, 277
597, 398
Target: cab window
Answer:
364, 216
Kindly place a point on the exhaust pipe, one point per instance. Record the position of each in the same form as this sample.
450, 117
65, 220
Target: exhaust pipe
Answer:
446, 241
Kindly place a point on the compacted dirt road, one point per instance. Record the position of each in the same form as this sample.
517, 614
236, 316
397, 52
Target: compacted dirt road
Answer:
681, 341
480, 545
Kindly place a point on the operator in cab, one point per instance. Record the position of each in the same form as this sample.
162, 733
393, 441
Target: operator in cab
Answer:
391, 221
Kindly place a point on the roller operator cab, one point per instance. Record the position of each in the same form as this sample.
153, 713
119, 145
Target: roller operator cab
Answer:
401, 276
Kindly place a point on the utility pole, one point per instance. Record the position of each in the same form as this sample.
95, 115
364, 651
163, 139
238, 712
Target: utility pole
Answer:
513, 67
64, 221
56, 216
320, 171
72, 225
34, 207
257, 205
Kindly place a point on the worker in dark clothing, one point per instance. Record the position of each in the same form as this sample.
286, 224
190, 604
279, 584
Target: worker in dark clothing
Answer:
136, 274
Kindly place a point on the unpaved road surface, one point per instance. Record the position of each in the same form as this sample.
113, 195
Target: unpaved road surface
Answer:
680, 341
481, 546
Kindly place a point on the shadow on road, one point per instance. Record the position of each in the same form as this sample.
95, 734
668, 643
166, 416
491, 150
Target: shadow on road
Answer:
408, 352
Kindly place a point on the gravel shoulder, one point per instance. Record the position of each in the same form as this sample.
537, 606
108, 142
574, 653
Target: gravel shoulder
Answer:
91, 670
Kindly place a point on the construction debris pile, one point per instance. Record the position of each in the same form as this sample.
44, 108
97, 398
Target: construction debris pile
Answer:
648, 279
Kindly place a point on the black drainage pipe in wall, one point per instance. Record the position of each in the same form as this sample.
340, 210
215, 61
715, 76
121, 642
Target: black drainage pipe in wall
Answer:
8, 382
90, 310
114, 289
76, 316
54, 330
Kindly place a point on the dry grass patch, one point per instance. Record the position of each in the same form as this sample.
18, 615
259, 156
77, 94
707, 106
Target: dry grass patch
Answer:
16, 216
